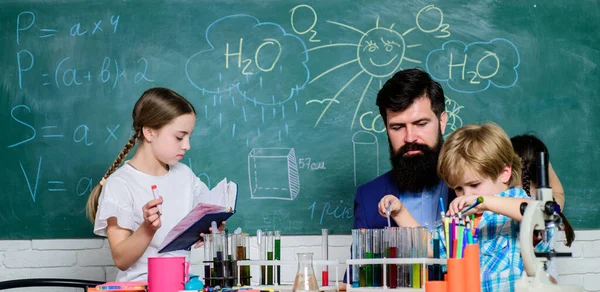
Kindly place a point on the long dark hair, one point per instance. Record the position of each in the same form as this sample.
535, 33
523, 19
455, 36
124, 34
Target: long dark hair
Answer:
526, 146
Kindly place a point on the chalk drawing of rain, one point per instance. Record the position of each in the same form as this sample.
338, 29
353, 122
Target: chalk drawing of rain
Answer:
259, 61
380, 50
249, 76
273, 174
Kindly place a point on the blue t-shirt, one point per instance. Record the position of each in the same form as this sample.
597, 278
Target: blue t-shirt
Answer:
424, 206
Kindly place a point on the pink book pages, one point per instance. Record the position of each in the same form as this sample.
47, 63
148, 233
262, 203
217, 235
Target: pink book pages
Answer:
198, 212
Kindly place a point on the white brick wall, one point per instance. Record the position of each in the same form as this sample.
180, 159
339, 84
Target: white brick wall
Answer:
584, 267
90, 259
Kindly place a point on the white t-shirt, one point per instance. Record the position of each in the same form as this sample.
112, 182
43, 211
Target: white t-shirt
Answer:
127, 190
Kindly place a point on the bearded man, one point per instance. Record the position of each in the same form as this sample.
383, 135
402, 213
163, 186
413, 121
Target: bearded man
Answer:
412, 106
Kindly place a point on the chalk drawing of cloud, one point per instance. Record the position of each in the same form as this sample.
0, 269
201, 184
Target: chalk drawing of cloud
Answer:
258, 60
474, 67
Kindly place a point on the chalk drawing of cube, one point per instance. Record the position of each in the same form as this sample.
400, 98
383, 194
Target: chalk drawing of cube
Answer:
273, 173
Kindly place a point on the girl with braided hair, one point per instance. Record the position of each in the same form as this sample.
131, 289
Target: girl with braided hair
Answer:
122, 206
527, 146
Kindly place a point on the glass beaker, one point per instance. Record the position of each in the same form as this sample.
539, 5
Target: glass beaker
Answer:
305, 276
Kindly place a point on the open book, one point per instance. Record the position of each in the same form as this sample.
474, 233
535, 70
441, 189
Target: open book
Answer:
186, 233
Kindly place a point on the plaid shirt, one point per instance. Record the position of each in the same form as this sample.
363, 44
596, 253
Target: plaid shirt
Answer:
501, 263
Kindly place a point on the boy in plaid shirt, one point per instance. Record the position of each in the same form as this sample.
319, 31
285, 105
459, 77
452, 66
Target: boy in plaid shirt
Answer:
478, 160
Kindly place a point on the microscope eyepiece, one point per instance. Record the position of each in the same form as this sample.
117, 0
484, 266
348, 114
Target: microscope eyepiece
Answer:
542, 170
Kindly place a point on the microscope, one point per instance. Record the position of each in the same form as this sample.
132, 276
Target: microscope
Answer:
540, 214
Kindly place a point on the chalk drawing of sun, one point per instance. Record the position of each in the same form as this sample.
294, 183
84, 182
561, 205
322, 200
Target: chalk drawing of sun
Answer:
380, 52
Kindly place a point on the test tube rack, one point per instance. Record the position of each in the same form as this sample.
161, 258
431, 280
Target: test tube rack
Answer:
226, 268
288, 287
424, 262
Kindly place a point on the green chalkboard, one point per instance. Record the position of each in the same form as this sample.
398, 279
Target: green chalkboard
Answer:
285, 96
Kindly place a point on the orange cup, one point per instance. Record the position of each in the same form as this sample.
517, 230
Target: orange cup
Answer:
435, 286
456, 275
472, 268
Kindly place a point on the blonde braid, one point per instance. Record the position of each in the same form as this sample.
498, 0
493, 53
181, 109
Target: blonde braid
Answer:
92, 203
119, 160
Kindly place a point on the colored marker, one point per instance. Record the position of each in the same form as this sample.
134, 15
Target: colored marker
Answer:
469, 235
443, 212
479, 201
452, 238
155, 194
459, 242
447, 233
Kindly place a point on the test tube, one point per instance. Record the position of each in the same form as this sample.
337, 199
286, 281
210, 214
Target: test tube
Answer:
218, 257
247, 257
235, 256
227, 265
437, 269
405, 246
156, 196
369, 255
419, 240
392, 252
423, 246
414, 253
362, 247
325, 253
207, 258
270, 257
262, 255
232, 259
377, 244
355, 255
239, 255
278, 254
385, 253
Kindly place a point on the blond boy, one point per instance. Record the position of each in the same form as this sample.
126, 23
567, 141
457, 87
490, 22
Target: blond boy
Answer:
479, 160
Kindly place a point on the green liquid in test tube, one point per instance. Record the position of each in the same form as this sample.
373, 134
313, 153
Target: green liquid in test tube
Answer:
363, 276
369, 255
270, 257
362, 282
278, 254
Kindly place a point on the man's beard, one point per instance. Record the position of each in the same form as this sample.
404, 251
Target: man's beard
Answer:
418, 171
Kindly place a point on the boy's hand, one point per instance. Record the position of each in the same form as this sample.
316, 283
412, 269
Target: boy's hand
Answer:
463, 202
152, 214
395, 207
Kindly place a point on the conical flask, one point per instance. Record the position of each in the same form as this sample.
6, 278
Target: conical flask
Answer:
305, 276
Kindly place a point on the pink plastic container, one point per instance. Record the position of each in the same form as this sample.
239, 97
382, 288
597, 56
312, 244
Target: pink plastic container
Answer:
167, 274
